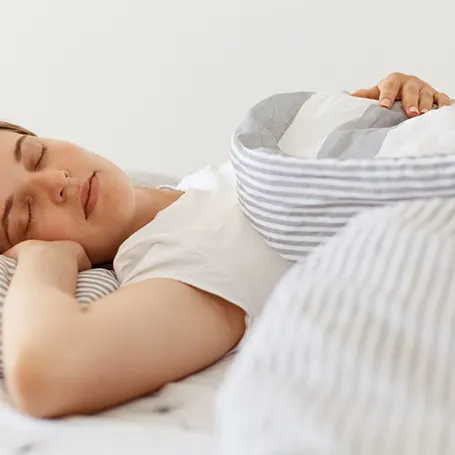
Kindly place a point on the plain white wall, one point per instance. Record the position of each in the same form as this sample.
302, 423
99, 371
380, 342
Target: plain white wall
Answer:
160, 84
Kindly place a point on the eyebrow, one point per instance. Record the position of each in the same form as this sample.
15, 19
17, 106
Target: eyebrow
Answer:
18, 149
9, 202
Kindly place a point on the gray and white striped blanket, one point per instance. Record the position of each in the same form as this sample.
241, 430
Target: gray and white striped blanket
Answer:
307, 162
354, 352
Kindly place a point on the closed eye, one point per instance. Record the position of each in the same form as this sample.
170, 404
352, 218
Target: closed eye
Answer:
30, 216
39, 163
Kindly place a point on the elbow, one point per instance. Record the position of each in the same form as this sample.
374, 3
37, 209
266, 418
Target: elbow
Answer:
32, 388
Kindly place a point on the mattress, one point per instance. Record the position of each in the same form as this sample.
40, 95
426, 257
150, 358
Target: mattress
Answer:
177, 420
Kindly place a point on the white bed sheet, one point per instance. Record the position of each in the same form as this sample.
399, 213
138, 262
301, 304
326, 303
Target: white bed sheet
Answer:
178, 420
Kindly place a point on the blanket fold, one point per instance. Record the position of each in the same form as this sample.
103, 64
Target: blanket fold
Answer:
306, 163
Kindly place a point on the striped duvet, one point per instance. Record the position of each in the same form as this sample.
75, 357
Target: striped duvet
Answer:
306, 163
354, 353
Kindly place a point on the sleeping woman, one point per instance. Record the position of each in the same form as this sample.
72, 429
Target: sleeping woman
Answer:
194, 274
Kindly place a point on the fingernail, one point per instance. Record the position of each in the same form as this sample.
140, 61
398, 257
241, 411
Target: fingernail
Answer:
424, 110
413, 110
386, 102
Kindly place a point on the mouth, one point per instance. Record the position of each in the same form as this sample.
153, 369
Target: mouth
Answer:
89, 195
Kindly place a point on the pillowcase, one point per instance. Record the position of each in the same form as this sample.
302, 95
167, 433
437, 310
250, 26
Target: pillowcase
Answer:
92, 284
152, 179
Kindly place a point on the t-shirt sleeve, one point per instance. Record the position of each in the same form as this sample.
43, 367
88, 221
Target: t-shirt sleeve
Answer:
143, 260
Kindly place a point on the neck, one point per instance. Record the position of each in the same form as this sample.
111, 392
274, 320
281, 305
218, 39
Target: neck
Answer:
149, 202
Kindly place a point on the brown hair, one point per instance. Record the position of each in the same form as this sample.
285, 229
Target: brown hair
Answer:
15, 128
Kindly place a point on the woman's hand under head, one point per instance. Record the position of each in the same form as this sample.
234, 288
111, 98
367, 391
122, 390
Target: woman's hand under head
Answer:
45, 187
64, 248
417, 96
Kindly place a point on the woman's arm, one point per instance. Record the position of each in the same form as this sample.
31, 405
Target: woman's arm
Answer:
62, 360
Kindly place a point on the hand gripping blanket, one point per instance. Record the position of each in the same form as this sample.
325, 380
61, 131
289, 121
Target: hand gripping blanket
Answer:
355, 350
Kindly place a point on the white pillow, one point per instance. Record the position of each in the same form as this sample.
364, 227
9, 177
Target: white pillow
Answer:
152, 179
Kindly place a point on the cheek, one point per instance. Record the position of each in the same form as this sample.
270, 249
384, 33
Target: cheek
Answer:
116, 205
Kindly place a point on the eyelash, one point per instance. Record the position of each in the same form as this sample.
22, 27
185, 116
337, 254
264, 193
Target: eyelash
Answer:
37, 168
41, 158
30, 216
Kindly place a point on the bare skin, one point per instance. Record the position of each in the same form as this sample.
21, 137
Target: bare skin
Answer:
60, 360
417, 96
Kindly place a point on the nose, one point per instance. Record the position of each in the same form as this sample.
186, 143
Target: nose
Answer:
50, 183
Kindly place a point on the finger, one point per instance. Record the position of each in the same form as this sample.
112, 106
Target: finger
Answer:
410, 97
389, 90
442, 99
370, 93
11, 253
426, 100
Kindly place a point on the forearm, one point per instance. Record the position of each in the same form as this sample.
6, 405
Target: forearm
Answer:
40, 308
41, 294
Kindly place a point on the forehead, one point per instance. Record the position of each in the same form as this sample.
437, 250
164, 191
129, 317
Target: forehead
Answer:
8, 140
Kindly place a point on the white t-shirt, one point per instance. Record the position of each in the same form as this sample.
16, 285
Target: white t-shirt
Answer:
204, 240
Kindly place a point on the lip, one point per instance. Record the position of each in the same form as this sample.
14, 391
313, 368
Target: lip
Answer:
89, 194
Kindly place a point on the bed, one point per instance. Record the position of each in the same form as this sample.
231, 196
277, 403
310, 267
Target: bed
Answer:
178, 420
354, 352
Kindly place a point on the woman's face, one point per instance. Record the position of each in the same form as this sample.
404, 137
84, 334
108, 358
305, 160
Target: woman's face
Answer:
44, 189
